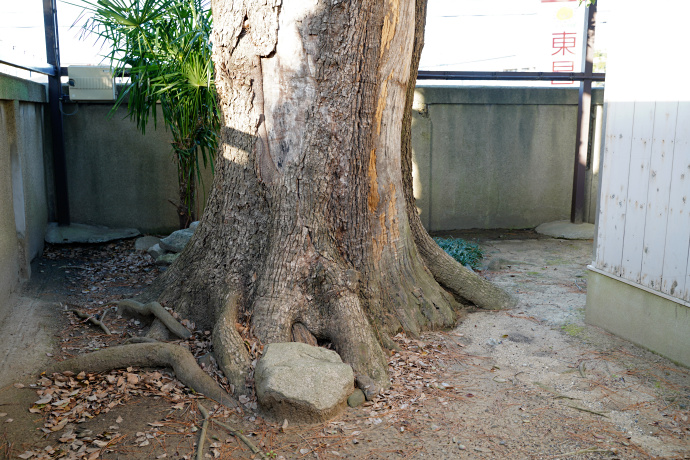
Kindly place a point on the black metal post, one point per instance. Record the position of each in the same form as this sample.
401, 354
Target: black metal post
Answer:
584, 108
54, 94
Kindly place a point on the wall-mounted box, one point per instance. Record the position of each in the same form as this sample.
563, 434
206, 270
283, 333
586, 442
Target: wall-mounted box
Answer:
91, 83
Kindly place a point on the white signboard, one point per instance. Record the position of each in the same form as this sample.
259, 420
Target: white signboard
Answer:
562, 36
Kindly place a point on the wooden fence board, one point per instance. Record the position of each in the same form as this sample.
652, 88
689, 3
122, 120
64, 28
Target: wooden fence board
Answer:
614, 185
675, 270
638, 180
660, 177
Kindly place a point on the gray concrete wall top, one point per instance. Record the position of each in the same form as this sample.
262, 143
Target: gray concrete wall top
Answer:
19, 89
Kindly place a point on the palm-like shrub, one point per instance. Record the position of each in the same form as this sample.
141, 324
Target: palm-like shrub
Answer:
165, 48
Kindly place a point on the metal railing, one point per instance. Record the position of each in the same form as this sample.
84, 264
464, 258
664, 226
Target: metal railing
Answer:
509, 76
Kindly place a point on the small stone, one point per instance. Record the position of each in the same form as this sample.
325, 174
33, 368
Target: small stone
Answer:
155, 251
207, 360
145, 243
356, 398
462, 447
167, 259
176, 241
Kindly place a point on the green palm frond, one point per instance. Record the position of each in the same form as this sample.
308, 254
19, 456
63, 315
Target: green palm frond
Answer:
165, 48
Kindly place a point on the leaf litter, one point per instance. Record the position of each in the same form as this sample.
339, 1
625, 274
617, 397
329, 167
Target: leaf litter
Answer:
436, 397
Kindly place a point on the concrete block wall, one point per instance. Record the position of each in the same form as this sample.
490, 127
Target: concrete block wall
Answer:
498, 157
117, 176
24, 206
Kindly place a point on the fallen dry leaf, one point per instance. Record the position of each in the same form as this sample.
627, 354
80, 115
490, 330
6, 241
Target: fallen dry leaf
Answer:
45, 400
60, 425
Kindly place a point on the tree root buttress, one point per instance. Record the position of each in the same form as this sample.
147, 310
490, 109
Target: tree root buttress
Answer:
158, 354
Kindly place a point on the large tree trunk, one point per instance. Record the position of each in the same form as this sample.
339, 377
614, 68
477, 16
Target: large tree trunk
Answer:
311, 225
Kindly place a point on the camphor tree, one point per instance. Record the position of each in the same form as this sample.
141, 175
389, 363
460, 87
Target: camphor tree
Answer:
311, 231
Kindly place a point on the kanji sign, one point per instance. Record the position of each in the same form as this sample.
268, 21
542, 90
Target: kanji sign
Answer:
564, 42
562, 31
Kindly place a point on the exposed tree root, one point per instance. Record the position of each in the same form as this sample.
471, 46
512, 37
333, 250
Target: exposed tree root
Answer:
92, 319
242, 438
157, 310
450, 274
460, 281
229, 348
178, 358
202, 433
141, 340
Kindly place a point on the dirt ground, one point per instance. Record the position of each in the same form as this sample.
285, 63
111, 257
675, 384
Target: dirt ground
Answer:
531, 382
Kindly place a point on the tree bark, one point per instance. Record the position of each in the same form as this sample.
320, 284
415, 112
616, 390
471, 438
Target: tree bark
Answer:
310, 231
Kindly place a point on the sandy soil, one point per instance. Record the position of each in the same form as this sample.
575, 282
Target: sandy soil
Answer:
532, 382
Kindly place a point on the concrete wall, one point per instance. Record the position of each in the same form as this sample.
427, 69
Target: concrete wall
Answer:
117, 176
638, 314
484, 157
498, 157
23, 202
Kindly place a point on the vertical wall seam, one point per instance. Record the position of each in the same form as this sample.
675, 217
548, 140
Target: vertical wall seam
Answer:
646, 207
627, 191
668, 206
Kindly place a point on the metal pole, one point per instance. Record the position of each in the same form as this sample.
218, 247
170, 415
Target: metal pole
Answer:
54, 94
584, 108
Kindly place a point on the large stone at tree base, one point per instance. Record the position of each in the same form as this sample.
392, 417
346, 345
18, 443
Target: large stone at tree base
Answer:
302, 383
176, 241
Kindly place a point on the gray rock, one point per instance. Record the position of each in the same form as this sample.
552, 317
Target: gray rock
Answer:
166, 259
176, 241
302, 383
81, 233
356, 398
145, 243
496, 264
156, 251
566, 230
207, 360
194, 225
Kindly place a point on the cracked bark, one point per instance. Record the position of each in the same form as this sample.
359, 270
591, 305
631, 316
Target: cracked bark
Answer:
310, 232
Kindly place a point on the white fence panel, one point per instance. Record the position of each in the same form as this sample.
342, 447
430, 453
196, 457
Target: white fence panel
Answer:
638, 180
675, 271
615, 168
660, 177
